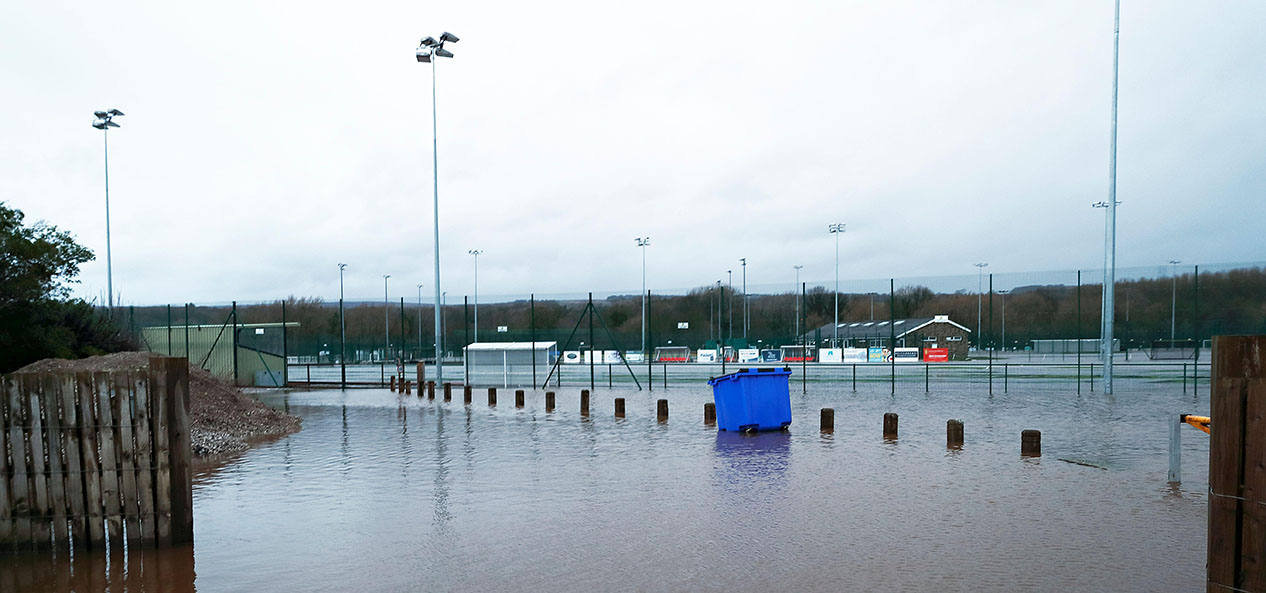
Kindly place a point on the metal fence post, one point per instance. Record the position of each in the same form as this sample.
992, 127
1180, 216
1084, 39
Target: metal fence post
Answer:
285, 358
1175, 449
234, 342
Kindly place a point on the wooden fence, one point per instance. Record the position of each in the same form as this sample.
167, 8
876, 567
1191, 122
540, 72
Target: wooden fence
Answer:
1237, 466
93, 460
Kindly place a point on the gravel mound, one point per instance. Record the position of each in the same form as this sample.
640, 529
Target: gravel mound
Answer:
223, 419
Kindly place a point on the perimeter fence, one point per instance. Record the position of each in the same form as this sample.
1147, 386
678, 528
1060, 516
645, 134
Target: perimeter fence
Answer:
968, 330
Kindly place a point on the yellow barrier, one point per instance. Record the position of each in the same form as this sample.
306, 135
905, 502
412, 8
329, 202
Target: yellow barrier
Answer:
1202, 422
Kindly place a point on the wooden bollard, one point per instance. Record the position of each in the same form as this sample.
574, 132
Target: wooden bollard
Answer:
518, 398
430, 389
890, 425
421, 375
619, 407
709, 413
492, 396
661, 410
954, 434
549, 401
1031, 443
466, 393
448, 392
408, 387
828, 419
393, 382
584, 402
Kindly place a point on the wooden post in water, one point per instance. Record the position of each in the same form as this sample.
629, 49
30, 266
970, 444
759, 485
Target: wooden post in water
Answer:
954, 434
709, 413
408, 387
828, 420
890, 425
1237, 465
421, 375
466, 394
584, 402
619, 407
549, 401
518, 398
178, 440
448, 392
430, 389
661, 410
1031, 443
492, 396
393, 382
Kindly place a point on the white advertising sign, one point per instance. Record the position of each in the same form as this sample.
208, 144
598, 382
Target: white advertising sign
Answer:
906, 355
501, 329
683, 325
830, 355
706, 356
748, 355
611, 356
571, 357
634, 357
855, 355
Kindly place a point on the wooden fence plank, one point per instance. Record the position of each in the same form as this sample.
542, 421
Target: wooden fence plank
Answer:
144, 458
123, 418
1226, 464
6, 513
41, 534
1253, 538
50, 397
179, 444
93, 507
109, 461
162, 460
74, 468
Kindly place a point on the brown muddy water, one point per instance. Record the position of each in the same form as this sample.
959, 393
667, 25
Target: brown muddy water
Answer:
381, 492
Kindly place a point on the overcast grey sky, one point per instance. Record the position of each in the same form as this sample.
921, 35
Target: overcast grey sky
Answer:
265, 142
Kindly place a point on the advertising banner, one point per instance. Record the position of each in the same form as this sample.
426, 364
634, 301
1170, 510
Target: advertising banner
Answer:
831, 355
876, 354
907, 355
634, 357
571, 357
855, 355
748, 355
611, 357
770, 356
936, 355
706, 356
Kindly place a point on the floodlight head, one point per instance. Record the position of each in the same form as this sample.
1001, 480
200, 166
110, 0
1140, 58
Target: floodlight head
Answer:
111, 124
424, 55
100, 114
99, 124
429, 41
449, 37
115, 112
443, 53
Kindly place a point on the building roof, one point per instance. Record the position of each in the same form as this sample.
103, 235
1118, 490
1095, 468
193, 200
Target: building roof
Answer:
880, 328
499, 346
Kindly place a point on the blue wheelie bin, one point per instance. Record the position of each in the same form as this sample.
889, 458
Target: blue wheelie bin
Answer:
753, 399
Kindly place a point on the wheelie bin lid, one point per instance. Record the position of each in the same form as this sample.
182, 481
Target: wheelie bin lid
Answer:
759, 371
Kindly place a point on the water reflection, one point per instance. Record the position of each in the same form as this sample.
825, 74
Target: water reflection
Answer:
752, 459
150, 570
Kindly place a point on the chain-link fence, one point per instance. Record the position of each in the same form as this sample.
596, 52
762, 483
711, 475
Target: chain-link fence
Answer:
974, 328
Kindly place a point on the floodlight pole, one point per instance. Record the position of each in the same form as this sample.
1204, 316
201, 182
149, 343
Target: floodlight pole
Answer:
1173, 309
434, 49
1110, 238
1004, 318
643, 242
342, 324
797, 334
419, 321
744, 261
729, 288
980, 299
476, 252
836, 229
386, 319
105, 121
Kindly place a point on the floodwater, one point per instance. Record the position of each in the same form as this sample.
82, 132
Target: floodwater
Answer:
382, 492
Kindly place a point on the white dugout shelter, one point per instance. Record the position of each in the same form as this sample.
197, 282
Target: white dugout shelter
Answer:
508, 364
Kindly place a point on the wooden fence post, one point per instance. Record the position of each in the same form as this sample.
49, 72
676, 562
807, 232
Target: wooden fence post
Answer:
181, 450
1237, 465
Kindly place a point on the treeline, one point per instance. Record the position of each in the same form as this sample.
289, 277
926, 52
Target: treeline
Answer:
1226, 302
37, 318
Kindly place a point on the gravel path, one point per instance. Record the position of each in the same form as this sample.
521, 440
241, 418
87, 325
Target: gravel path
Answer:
224, 419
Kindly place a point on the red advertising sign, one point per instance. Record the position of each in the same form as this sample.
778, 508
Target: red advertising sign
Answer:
936, 355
